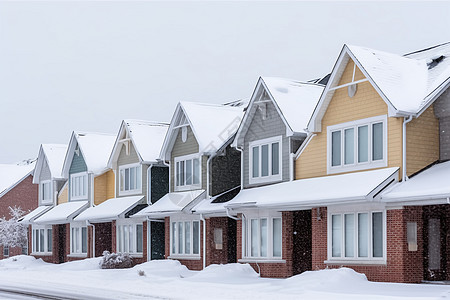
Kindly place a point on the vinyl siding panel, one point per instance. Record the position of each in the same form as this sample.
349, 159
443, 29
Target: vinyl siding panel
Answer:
79, 165
261, 128
64, 195
366, 103
45, 172
103, 187
131, 158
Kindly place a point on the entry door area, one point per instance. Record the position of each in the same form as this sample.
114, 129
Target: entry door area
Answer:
435, 243
302, 251
157, 236
61, 238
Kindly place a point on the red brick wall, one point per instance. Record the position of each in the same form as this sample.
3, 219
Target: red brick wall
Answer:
402, 265
113, 234
213, 255
274, 270
143, 259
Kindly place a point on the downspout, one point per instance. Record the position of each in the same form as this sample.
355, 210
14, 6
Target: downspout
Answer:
93, 236
149, 185
170, 174
405, 121
204, 240
149, 241
230, 216
242, 166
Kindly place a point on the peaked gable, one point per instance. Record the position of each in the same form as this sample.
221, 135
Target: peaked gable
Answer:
11, 175
50, 162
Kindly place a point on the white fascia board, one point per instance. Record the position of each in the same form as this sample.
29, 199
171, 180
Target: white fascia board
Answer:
38, 167
69, 156
168, 143
113, 157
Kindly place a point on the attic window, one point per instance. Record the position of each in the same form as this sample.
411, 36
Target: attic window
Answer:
434, 61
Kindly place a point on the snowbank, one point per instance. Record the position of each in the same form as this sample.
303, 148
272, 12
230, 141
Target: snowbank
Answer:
229, 273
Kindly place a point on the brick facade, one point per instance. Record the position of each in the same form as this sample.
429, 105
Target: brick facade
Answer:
402, 265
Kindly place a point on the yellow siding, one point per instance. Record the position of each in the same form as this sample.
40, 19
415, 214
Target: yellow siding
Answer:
422, 141
103, 187
63, 196
366, 103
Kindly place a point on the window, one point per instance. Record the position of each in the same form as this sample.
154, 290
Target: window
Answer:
357, 145
130, 178
357, 235
185, 237
5, 251
265, 160
46, 191
187, 172
130, 237
78, 240
42, 239
78, 186
264, 237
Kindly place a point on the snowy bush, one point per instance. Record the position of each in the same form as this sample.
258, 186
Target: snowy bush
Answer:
141, 273
13, 233
116, 260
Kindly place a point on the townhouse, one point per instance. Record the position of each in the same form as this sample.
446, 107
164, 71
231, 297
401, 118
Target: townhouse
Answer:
139, 180
16, 190
204, 173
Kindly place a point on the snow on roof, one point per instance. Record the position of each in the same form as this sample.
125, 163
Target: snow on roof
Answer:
55, 154
110, 209
295, 99
360, 186
62, 213
36, 213
430, 184
206, 206
96, 149
11, 174
172, 202
212, 124
148, 137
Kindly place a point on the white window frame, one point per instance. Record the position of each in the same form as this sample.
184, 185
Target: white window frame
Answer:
34, 250
192, 186
246, 236
42, 192
120, 237
270, 177
369, 209
138, 189
191, 220
78, 227
85, 181
370, 164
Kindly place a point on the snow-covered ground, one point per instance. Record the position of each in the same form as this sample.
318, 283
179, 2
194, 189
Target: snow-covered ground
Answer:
168, 279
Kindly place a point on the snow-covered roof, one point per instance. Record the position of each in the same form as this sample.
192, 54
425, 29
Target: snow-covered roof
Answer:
109, 210
312, 192
54, 155
172, 203
95, 147
36, 213
212, 124
431, 184
12, 174
407, 83
295, 99
62, 213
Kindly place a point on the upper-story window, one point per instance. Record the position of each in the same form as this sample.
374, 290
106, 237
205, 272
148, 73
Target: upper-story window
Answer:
265, 160
357, 145
46, 191
130, 179
187, 172
78, 186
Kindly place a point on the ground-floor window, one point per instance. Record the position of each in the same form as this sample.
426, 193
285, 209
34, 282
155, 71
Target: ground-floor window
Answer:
130, 237
78, 239
262, 234
184, 237
42, 239
5, 251
357, 235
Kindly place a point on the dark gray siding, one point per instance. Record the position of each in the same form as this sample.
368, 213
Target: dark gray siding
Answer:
226, 171
262, 128
442, 112
159, 182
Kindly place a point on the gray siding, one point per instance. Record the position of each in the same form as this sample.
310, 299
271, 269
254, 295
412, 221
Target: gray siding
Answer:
45, 172
442, 111
79, 165
225, 171
260, 128
181, 148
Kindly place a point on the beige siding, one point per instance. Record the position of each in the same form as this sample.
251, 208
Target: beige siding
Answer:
103, 187
366, 103
422, 141
63, 196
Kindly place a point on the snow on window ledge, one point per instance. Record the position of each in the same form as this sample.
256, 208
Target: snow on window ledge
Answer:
262, 260
41, 253
353, 262
185, 257
77, 255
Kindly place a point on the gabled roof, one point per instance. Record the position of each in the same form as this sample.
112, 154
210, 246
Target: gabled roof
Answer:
54, 155
13, 174
408, 84
95, 148
147, 138
62, 213
294, 101
212, 124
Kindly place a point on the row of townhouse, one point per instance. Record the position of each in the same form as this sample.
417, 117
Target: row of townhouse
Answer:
347, 171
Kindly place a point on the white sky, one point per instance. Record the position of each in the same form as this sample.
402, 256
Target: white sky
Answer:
87, 65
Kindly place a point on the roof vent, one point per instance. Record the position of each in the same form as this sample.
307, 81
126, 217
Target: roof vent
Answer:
434, 61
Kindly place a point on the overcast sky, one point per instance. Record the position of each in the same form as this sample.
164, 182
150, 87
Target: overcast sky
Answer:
85, 66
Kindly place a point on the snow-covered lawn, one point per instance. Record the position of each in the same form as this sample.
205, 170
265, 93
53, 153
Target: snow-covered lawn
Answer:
167, 279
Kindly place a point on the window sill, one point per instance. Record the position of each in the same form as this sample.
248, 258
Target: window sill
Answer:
357, 167
41, 253
76, 255
184, 257
262, 260
185, 188
131, 192
355, 262
264, 180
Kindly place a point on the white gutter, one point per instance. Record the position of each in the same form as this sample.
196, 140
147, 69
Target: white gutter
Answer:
405, 121
149, 185
204, 240
170, 174
242, 166
230, 216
